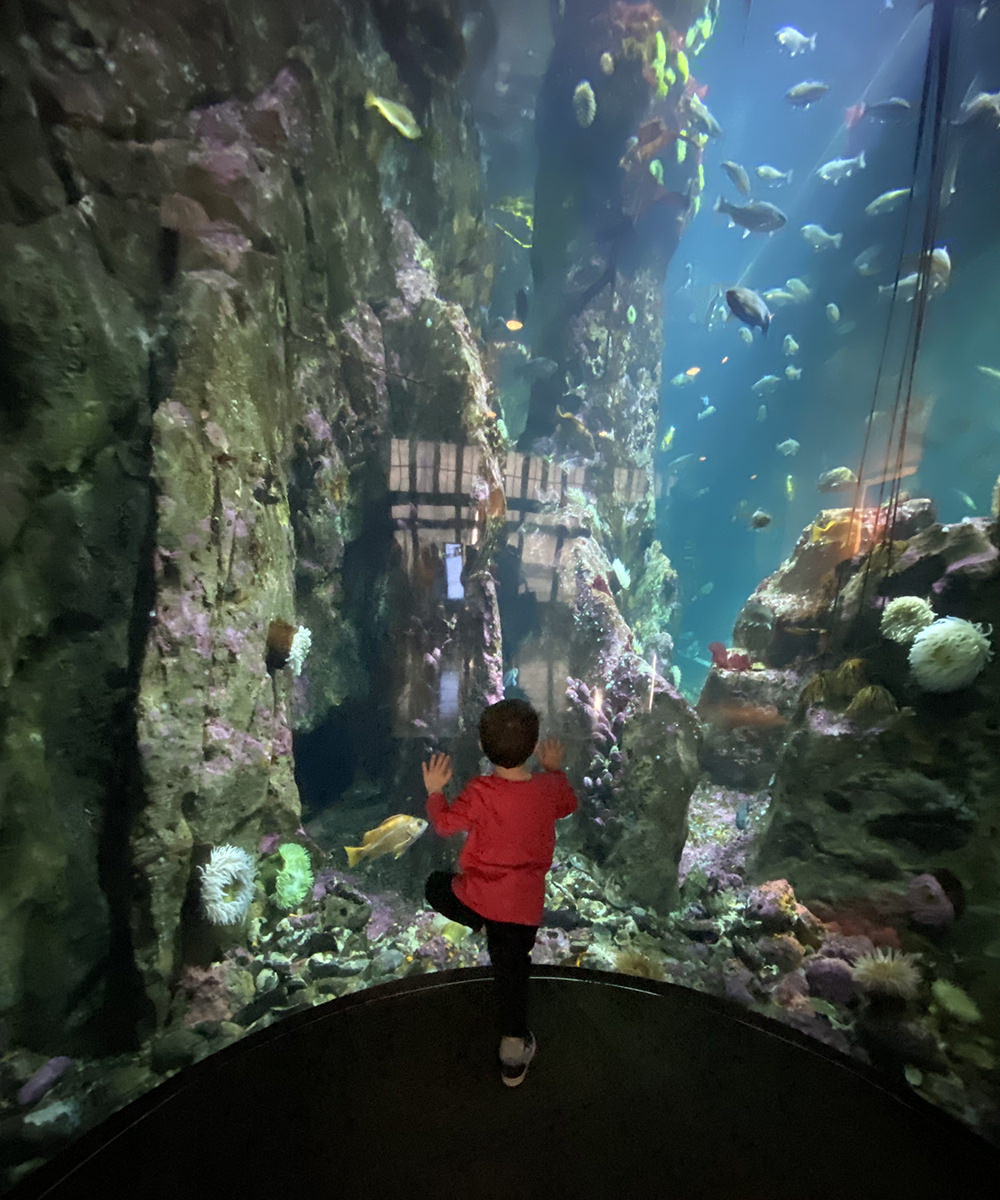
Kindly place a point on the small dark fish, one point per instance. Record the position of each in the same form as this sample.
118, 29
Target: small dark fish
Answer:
894, 110
757, 217
749, 307
806, 93
760, 519
743, 813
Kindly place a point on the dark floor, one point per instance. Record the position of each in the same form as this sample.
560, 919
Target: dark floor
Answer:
638, 1089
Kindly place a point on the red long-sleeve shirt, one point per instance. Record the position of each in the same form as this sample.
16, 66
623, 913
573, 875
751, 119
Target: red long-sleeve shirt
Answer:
512, 836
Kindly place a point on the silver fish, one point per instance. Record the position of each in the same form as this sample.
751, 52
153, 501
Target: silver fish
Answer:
741, 180
841, 168
806, 93
772, 175
888, 202
819, 239
796, 43
765, 385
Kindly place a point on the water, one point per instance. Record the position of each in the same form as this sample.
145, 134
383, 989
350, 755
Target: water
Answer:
866, 53
275, 363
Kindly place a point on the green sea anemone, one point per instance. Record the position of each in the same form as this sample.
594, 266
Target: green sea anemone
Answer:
955, 1002
295, 879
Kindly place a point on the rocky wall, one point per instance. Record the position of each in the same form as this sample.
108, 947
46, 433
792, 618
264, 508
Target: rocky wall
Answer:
206, 257
883, 781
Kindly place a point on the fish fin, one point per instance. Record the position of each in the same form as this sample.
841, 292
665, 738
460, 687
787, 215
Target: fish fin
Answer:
353, 854
370, 99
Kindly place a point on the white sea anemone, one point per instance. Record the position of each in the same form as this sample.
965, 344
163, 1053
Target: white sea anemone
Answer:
949, 654
904, 617
584, 103
300, 648
227, 883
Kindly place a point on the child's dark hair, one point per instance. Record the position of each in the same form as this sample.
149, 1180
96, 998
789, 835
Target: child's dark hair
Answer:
508, 732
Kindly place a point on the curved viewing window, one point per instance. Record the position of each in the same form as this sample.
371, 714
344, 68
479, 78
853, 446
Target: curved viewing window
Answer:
364, 364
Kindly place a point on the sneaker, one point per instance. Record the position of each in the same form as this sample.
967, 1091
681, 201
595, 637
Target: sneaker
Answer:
515, 1055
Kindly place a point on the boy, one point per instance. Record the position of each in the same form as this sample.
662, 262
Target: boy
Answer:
510, 815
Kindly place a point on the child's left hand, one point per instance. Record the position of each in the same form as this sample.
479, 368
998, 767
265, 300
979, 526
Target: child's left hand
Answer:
437, 772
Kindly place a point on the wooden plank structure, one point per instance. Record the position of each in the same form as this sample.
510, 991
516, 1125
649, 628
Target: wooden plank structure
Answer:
438, 493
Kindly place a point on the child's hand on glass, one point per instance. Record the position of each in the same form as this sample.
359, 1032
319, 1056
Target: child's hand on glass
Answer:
437, 772
550, 754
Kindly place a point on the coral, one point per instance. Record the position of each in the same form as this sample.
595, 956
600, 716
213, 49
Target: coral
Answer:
928, 903
888, 972
728, 660
584, 104
227, 882
904, 617
872, 702
955, 1002
949, 654
295, 879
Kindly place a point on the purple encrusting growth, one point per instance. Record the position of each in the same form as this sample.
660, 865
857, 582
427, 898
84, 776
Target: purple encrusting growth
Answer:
831, 979
318, 426
928, 902
229, 749
43, 1079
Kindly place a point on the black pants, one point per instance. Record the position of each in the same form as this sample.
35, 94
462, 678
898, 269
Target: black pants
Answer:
509, 946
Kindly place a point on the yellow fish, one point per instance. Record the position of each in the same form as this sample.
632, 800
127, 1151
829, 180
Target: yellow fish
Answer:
393, 836
668, 438
398, 115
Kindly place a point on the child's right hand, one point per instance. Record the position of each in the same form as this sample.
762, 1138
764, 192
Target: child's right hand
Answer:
550, 754
437, 773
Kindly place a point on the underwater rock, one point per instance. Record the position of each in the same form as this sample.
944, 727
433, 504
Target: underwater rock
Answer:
848, 815
746, 716
831, 979
829, 553
773, 904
